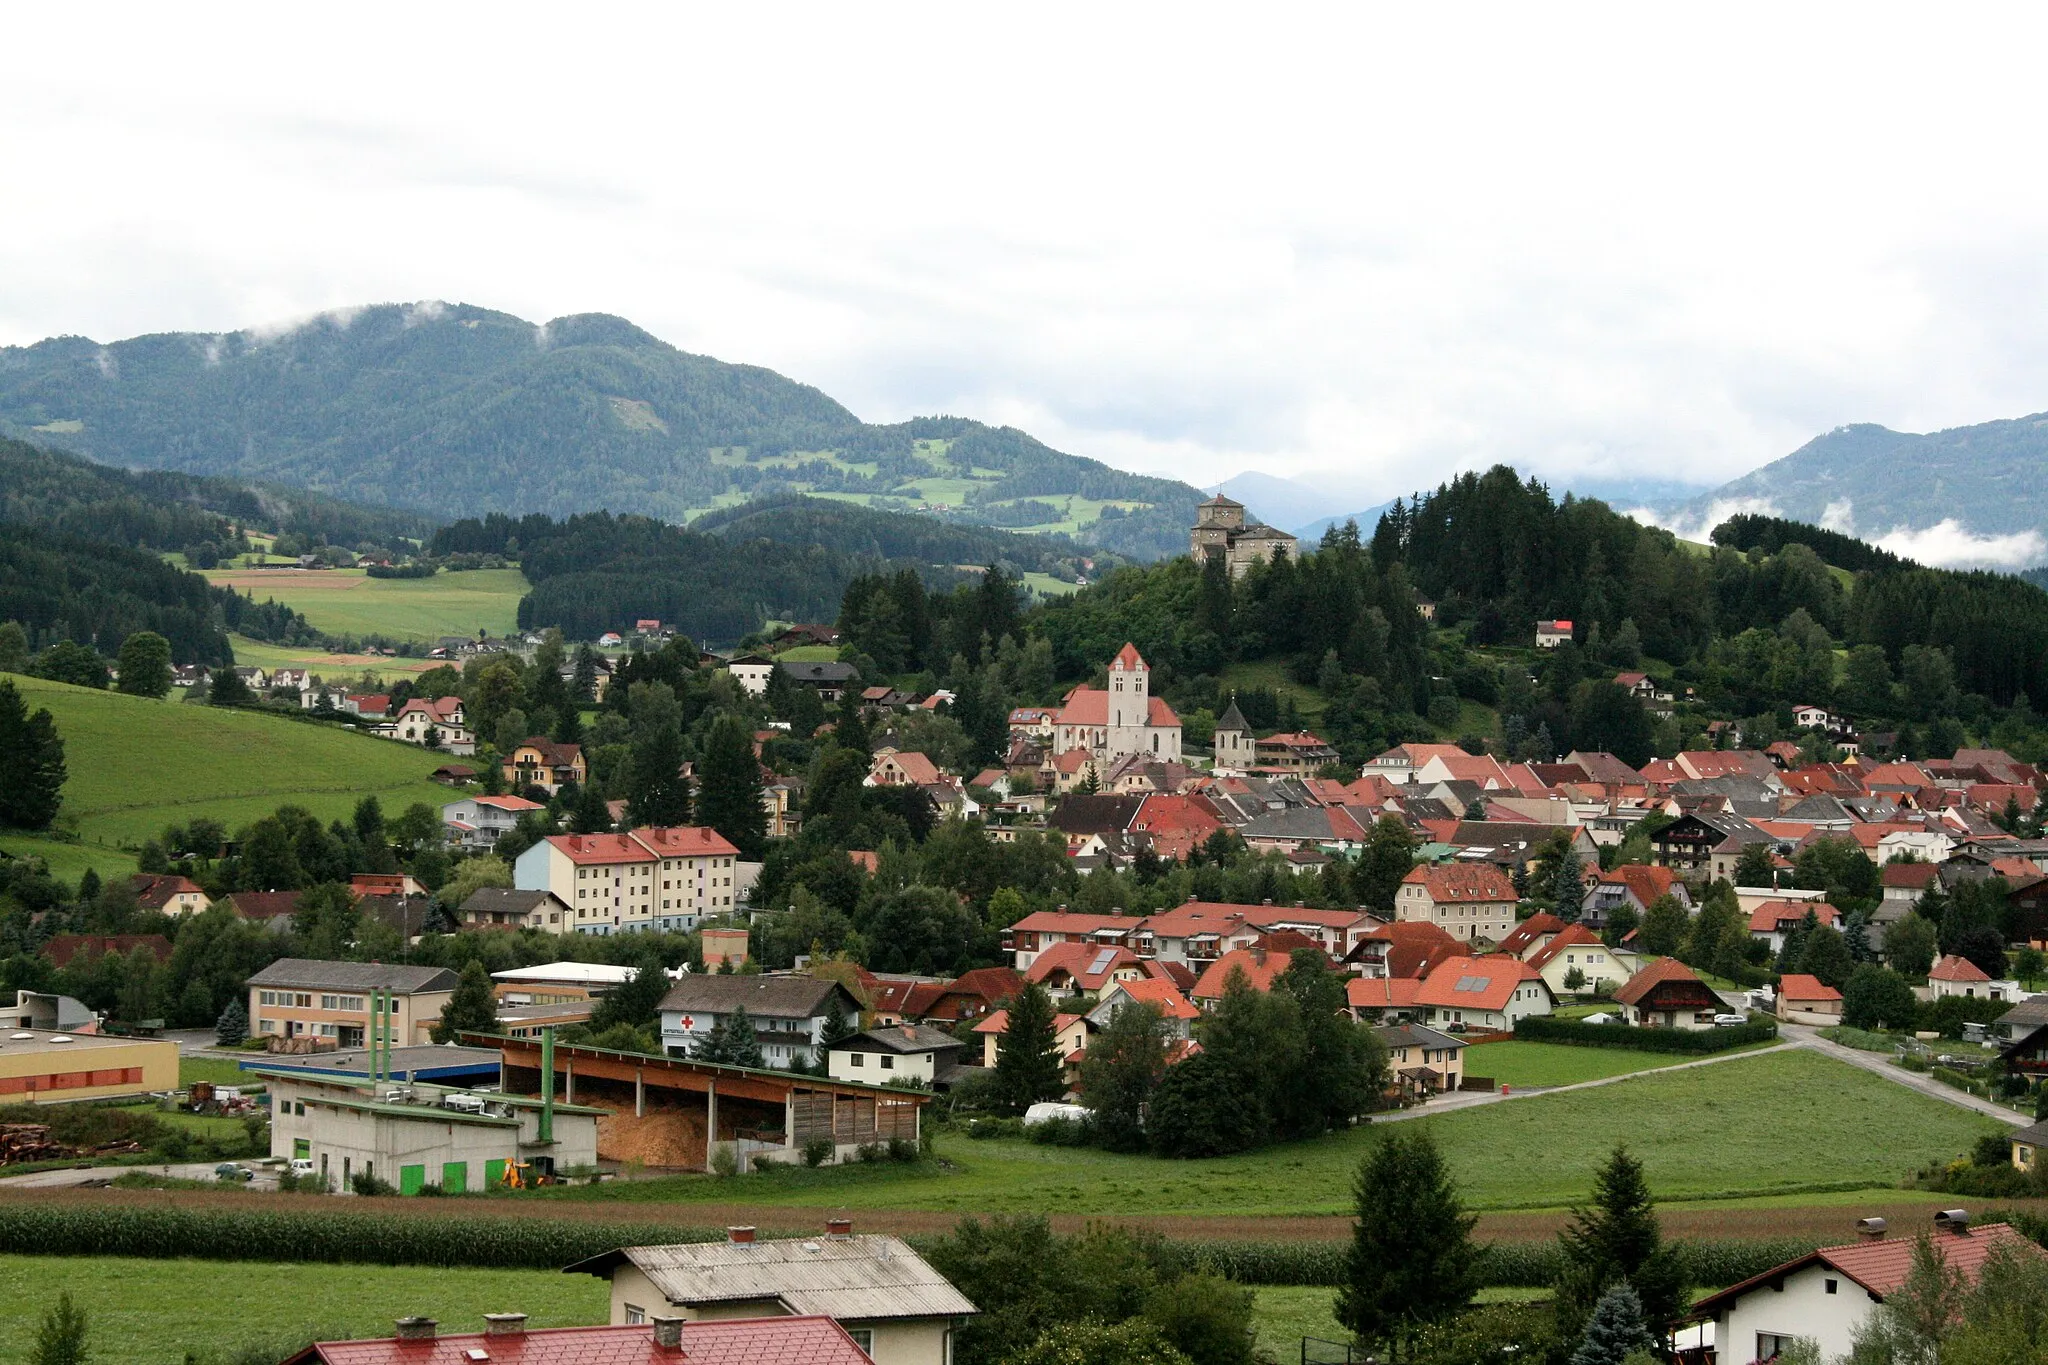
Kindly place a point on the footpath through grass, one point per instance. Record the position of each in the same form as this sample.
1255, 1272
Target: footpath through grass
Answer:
137, 765
145, 1312
1776, 1123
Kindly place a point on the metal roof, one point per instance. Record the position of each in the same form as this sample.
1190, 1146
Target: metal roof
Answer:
853, 1279
308, 973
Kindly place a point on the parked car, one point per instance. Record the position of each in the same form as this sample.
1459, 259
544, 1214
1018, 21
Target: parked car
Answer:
228, 1170
1730, 1020
302, 1165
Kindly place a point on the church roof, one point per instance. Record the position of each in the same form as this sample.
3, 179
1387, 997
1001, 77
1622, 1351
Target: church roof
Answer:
1221, 501
1232, 719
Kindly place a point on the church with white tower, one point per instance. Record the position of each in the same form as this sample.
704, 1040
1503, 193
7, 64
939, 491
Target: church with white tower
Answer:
1120, 720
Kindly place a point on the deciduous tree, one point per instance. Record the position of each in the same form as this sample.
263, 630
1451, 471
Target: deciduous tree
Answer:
145, 664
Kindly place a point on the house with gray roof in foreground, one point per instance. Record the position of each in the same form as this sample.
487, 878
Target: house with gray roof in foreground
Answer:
900, 1310
328, 1003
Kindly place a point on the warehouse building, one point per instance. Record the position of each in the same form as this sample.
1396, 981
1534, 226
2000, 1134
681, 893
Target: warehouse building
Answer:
38, 1066
415, 1135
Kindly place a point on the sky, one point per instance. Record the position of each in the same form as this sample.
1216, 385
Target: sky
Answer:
1360, 246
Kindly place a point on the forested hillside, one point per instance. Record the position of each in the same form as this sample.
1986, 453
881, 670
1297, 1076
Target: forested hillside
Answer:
1928, 654
61, 587
454, 411
726, 575
167, 511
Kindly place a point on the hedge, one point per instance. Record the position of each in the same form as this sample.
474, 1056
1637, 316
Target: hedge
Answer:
1544, 1028
385, 1238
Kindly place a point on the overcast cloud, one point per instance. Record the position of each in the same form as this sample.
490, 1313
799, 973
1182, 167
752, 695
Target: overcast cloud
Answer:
1363, 246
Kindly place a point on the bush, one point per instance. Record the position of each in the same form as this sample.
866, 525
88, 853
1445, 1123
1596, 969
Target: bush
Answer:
983, 1130
370, 1186
902, 1149
1061, 1132
870, 1151
1544, 1028
1861, 1039
817, 1152
724, 1160
1948, 1015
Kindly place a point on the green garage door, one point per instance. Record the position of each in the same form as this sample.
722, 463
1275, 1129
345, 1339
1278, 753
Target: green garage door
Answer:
494, 1173
454, 1177
411, 1178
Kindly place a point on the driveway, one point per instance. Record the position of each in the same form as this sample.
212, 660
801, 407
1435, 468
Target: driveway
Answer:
1880, 1064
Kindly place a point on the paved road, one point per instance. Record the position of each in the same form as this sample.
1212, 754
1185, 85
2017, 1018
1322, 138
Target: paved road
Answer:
70, 1177
1880, 1064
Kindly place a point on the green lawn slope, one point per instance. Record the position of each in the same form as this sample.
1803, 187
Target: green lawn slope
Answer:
350, 602
1777, 1122
137, 765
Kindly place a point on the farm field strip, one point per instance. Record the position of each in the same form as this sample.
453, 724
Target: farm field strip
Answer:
350, 602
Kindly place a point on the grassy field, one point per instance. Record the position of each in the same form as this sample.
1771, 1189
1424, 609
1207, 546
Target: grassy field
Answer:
332, 668
1775, 1123
1273, 673
137, 765
350, 602
219, 1070
1542, 1064
144, 1312
68, 862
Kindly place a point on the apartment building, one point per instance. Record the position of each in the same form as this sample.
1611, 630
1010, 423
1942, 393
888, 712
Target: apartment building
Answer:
655, 878
297, 997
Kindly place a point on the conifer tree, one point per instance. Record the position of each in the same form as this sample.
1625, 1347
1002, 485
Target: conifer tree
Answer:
61, 1338
1412, 1261
636, 1001
32, 771
733, 1042
1615, 1330
729, 787
1617, 1237
1027, 1067
233, 1025
471, 1008
1568, 887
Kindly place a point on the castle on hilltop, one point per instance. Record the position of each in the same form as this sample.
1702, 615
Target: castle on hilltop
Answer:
1220, 529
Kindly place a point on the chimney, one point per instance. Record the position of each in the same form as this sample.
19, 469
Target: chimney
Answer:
740, 1236
839, 1227
504, 1324
1953, 1221
416, 1329
1871, 1229
668, 1333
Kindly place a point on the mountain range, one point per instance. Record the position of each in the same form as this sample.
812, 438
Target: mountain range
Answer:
455, 410
1966, 495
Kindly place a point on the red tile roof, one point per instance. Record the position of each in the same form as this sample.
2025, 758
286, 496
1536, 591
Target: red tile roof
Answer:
1645, 882
1128, 658
643, 845
1953, 968
583, 849
1090, 706
1463, 883
1259, 965
1381, 992
1658, 973
264, 904
1800, 986
61, 948
1881, 1267
1160, 992
686, 841
1528, 931
1090, 966
1414, 947
917, 768
1910, 876
706, 1341
1573, 936
155, 890
1476, 983
1771, 915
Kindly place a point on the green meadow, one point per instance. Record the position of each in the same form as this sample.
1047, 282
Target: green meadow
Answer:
350, 602
137, 765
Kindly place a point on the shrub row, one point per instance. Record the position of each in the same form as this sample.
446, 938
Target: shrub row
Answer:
540, 1243
1543, 1028
328, 1234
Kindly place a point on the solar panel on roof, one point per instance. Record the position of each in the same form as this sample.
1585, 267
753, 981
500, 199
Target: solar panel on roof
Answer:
1473, 983
1102, 961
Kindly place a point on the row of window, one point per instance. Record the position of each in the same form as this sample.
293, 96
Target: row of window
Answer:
303, 1000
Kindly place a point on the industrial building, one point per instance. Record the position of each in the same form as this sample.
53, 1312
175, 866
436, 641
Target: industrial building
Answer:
42, 1067
435, 1063
416, 1134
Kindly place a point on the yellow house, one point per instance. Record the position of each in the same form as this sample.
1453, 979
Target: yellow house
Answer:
39, 1066
899, 1310
301, 997
2027, 1144
1578, 949
1423, 1060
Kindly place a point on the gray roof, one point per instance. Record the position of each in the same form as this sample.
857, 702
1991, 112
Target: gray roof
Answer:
1415, 1035
309, 973
903, 1038
854, 1279
2034, 1134
1232, 719
503, 900
1084, 813
772, 997
804, 670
